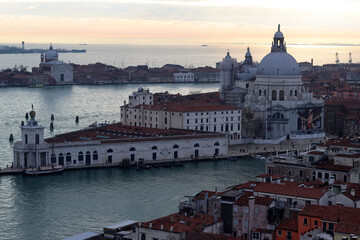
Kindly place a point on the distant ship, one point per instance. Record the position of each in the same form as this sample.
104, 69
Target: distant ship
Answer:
204, 45
83, 44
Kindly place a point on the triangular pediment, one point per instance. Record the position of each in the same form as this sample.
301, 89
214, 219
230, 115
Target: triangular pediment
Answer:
308, 105
277, 108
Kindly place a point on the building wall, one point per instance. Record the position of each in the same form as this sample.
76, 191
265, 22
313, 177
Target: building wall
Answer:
123, 150
57, 70
311, 223
183, 77
151, 234
284, 234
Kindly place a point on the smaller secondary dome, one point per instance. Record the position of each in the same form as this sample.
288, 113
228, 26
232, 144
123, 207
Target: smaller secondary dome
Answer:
140, 89
228, 57
278, 35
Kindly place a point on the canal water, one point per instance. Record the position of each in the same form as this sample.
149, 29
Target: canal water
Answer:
58, 206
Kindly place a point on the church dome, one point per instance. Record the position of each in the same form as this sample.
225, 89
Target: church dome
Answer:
278, 34
278, 64
51, 54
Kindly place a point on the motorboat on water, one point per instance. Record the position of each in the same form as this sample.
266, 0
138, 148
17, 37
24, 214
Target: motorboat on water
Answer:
44, 170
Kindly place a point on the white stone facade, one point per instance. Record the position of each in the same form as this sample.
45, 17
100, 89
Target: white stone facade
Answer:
227, 119
184, 77
112, 147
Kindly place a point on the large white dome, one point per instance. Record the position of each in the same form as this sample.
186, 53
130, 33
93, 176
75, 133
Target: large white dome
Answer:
278, 64
51, 54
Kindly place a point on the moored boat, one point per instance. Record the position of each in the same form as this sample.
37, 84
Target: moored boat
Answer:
44, 170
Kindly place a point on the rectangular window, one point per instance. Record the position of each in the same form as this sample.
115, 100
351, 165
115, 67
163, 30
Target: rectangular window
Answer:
305, 221
26, 138
326, 175
279, 232
316, 222
301, 173
319, 174
37, 139
288, 236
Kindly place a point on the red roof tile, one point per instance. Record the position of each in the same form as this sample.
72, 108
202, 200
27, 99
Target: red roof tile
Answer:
336, 213
288, 225
123, 133
290, 190
329, 165
178, 223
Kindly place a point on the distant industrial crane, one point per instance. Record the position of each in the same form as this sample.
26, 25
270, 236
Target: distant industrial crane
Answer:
350, 58
337, 58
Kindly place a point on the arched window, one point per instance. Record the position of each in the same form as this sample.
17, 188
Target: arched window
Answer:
81, 156
217, 144
132, 155
196, 145
95, 155
61, 159
259, 92
109, 152
202, 128
88, 158
274, 95
68, 157
154, 148
295, 93
53, 158
143, 236
281, 95
62, 78
290, 92
175, 146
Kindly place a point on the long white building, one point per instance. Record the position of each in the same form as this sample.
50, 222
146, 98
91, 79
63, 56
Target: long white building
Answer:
112, 144
199, 112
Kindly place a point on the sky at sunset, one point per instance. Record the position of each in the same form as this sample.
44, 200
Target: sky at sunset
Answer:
179, 21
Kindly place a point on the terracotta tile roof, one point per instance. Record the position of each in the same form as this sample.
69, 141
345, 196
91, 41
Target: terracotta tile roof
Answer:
122, 133
247, 185
349, 228
188, 106
244, 200
208, 236
201, 195
315, 153
288, 225
340, 214
178, 223
329, 165
349, 155
290, 190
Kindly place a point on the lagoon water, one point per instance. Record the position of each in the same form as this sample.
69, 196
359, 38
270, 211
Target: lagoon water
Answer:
55, 207
186, 55
58, 206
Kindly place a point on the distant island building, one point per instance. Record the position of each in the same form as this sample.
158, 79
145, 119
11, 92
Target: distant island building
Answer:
275, 103
60, 71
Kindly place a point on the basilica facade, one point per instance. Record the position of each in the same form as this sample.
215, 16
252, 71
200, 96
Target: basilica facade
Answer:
276, 104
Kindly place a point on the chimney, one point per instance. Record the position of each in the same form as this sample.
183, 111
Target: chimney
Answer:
206, 201
352, 192
162, 227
